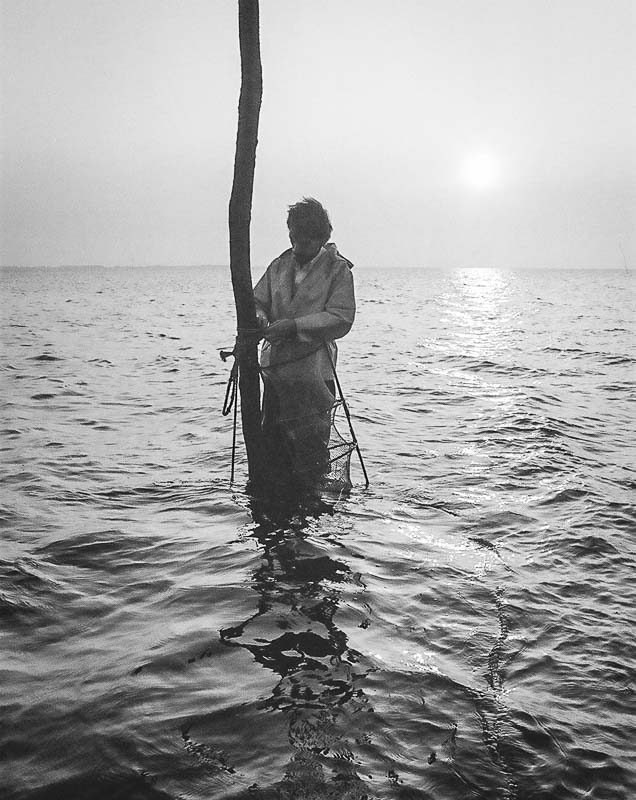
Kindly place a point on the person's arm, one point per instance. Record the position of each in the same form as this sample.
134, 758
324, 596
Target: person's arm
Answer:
263, 299
340, 310
281, 329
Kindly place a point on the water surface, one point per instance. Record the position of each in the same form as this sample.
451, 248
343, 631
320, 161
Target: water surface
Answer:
462, 629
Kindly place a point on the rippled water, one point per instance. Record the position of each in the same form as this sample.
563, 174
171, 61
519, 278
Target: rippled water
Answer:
462, 629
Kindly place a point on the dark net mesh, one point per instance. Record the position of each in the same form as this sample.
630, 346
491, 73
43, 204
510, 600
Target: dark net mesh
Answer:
338, 478
303, 423
318, 454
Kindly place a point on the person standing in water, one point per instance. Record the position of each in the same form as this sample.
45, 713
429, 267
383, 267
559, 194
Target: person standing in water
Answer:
304, 301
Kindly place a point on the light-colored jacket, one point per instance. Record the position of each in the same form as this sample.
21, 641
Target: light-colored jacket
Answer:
322, 304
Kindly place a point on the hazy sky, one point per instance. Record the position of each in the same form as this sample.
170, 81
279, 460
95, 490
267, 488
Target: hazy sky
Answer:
436, 132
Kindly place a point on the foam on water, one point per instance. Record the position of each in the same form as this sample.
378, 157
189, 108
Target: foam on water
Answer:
463, 629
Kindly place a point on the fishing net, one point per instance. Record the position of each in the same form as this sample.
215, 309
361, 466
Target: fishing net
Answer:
338, 478
319, 454
302, 423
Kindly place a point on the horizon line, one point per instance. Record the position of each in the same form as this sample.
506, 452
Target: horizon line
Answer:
623, 267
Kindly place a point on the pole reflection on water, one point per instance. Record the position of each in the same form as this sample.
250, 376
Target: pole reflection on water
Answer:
293, 632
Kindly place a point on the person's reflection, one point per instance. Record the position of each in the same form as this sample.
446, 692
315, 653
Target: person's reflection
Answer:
294, 634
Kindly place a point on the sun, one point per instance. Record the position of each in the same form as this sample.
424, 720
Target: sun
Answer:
480, 171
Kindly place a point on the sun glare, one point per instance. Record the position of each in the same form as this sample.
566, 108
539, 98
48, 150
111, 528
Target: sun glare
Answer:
480, 171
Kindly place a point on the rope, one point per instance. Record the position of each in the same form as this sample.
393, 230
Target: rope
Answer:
231, 392
230, 402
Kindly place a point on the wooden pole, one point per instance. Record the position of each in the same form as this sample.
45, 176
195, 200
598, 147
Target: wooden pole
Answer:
240, 214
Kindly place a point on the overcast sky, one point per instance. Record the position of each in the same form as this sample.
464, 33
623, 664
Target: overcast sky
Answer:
437, 133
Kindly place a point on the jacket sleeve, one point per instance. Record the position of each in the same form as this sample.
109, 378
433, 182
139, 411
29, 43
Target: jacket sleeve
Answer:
339, 312
263, 295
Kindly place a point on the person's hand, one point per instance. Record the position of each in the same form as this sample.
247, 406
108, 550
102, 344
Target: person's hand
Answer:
283, 329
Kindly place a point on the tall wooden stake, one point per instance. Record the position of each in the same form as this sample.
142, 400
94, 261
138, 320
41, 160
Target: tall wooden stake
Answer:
240, 214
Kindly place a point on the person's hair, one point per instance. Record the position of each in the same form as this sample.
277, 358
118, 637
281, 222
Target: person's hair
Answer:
309, 218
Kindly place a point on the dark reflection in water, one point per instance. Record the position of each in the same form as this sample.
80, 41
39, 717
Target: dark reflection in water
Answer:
294, 634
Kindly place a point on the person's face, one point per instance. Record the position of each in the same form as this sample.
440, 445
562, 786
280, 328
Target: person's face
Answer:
303, 247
